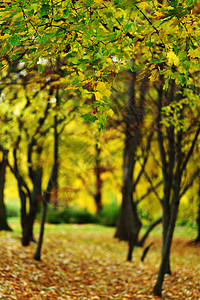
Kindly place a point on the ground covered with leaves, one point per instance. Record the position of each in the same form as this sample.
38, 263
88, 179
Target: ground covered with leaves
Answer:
86, 262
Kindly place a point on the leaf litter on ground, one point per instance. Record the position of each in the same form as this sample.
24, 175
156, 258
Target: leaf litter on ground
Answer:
86, 262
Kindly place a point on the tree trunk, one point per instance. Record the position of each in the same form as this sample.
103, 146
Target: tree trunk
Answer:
98, 194
169, 235
53, 181
166, 221
128, 225
56, 156
45, 201
3, 221
37, 255
24, 217
36, 197
141, 242
176, 183
167, 164
197, 240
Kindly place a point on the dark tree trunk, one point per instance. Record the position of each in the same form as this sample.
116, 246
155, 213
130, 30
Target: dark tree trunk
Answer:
53, 181
3, 164
37, 255
129, 225
197, 240
141, 242
98, 194
56, 158
28, 217
36, 198
181, 164
168, 241
45, 201
167, 163
146, 250
24, 217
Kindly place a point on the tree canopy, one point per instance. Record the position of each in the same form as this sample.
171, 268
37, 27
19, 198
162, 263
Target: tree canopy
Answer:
95, 38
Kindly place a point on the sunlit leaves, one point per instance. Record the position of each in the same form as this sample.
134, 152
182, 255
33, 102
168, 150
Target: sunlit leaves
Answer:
102, 90
87, 34
14, 40
173, 58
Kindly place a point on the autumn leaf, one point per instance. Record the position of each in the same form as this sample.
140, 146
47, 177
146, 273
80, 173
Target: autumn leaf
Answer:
85, 262
101, 91
173, 58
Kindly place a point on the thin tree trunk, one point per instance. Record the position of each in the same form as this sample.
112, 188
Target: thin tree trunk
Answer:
37, 255
56, 158
24, 217
197, 240
167, 165
51, 185
141, 242
3, 221
168, 241
98, 194
36, 197
128, 225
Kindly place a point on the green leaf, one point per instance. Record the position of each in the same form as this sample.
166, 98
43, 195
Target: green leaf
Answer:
173, 3
44, 9
88, 117
88, 3
14, 40
189, 2
40, 68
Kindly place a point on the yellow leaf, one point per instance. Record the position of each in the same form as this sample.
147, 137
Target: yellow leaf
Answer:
173, 58
101, 90
194, 52
98, 96
101, 86
110, 113
143, 5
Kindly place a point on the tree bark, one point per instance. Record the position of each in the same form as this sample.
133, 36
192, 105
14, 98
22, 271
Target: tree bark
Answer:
128, 225
37, 255
56, 155
98, 194
169, 235
36, 198
181, 164
53, 181
3, 220
167, 164
173, 216
141, 242
197, 240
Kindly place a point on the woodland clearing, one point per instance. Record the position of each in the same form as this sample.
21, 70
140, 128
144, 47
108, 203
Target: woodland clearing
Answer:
86, 262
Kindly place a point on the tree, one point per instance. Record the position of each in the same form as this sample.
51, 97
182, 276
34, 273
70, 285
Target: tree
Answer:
174, 160
82, 32
3, 220
129, 223
197, 240
88, 34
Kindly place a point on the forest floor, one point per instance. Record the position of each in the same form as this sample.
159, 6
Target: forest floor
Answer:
86, 262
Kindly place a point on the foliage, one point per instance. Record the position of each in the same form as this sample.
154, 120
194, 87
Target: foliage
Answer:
73, 50
109, 214
12, 210
87, 35
70, 215
86, 262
